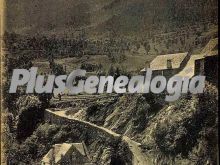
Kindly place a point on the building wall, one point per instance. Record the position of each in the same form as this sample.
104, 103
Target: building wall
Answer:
211, 68
199, 67
168, 73
208, 66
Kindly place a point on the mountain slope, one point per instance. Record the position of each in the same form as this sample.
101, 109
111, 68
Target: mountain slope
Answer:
116, 16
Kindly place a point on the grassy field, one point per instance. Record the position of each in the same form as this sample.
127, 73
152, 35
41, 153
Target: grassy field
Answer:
42, 64
130, 64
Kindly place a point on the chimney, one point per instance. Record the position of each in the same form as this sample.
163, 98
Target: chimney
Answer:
169, 64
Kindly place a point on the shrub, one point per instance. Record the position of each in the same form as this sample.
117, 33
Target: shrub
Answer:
194, 136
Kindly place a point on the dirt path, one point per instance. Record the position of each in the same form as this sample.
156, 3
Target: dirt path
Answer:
84, 97
139, 158
62, 113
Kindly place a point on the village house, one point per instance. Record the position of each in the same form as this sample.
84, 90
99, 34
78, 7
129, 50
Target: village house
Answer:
205, 63
208, 64
67, 154
168, 65
186, 65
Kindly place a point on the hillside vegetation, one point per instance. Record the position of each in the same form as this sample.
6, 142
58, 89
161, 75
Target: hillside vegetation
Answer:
181, 132
99, 17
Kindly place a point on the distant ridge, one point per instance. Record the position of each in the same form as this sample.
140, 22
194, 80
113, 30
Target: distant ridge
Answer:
101, 16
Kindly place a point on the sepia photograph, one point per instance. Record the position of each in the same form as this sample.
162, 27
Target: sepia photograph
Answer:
109, 82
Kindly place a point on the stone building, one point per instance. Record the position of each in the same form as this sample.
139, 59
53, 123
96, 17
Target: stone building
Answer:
205, 63
208, 66
67, 154
187, 65
169, 64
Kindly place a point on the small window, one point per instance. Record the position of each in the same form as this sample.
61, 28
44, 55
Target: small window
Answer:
169, 64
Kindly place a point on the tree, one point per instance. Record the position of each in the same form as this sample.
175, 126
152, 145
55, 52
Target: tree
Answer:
45, 98
147, 46
57, 69
30, 114
111, 71
140, 118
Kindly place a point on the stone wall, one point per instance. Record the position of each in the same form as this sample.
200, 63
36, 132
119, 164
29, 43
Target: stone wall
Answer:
91, 130
97, 135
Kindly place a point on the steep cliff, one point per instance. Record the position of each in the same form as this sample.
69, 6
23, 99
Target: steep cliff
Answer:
184, 131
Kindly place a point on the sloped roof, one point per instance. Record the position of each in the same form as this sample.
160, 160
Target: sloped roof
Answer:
210, 46
189, 69
212, 53
160, 62
208, 50
61, 150
80, 148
